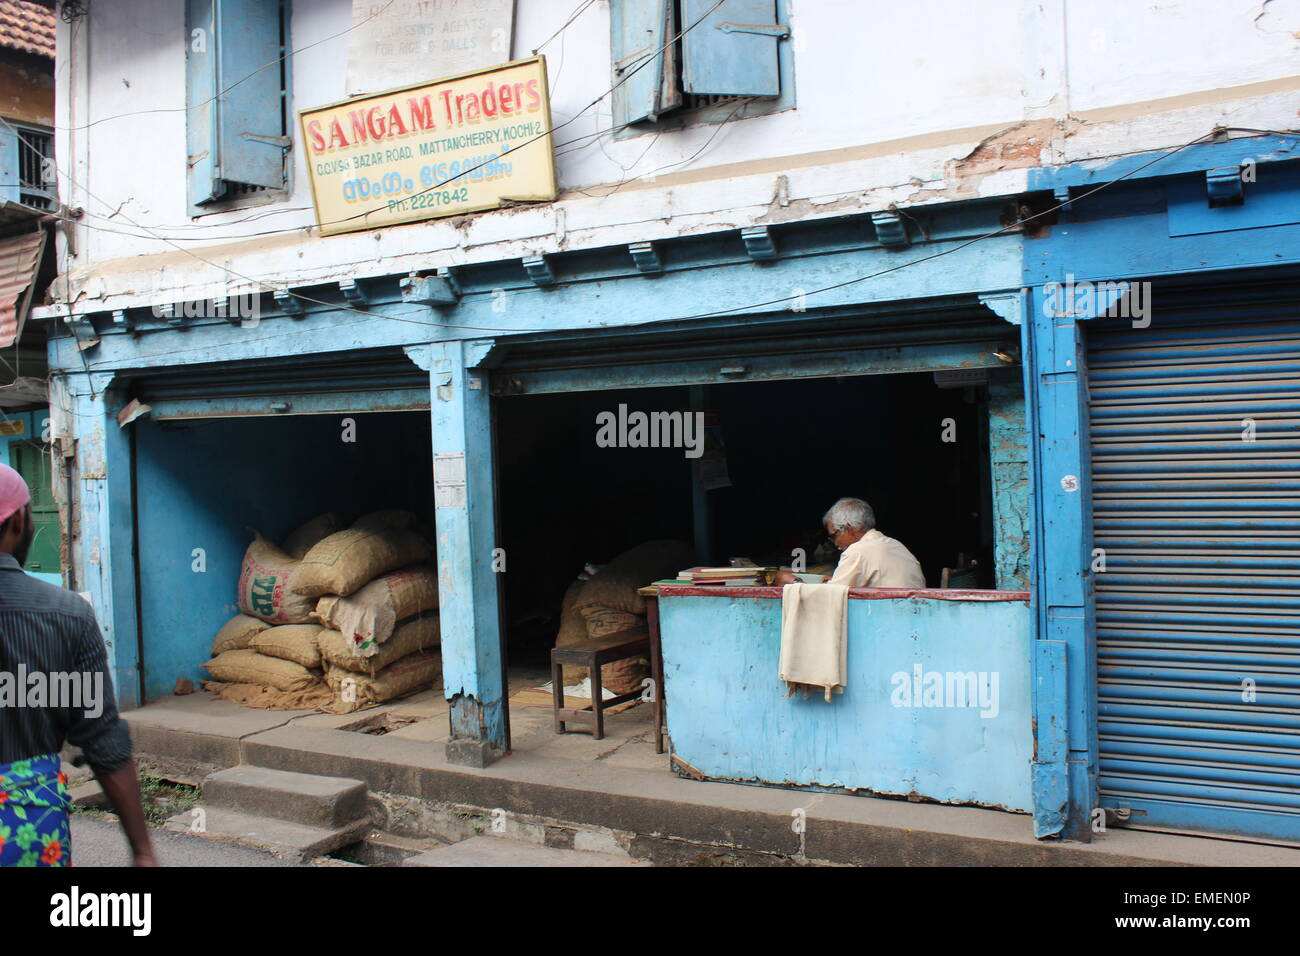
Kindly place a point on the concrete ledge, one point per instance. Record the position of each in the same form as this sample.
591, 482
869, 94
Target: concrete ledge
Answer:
837, 828
199, 729
671, 819
211, 750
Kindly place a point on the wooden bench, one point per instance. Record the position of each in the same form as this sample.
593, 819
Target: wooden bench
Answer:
593, 654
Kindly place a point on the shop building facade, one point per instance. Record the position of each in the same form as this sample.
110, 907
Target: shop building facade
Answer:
850, 281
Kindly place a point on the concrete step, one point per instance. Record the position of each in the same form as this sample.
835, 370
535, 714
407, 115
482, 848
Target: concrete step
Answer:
88, 794
498, 851
313, 801
284, 838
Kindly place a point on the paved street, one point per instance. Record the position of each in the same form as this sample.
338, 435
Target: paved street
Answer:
101, 843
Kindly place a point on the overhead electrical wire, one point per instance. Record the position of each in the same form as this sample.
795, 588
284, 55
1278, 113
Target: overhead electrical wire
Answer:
223, 92
152, 232
969, 242
749, 307
759, 305
268, 286
649, 58
282, 211
646, 61
582, 8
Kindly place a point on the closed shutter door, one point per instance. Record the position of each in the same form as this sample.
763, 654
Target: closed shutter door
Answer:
375, 380
1195, 436
942, 334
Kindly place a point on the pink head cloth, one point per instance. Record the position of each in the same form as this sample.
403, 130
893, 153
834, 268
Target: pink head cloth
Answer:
13, 492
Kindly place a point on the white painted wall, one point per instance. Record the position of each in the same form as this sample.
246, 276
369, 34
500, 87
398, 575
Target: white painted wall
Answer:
892, 99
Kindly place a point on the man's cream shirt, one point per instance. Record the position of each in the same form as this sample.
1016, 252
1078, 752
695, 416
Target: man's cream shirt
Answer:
877, 561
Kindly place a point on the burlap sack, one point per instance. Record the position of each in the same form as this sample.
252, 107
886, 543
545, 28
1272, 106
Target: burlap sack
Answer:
290, 642
316, 697
573, 628
306, 536
264, 585
411, 635
250, 667
369, 616
345, 561
622, 677
415, 672
236, 633
615, 585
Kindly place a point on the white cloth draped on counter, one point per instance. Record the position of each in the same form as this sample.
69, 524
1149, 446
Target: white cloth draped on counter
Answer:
814, 637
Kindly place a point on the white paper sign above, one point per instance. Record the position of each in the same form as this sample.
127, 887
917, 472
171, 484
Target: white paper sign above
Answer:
402, 42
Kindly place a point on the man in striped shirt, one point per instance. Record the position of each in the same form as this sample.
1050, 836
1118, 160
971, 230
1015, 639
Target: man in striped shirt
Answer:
54, 688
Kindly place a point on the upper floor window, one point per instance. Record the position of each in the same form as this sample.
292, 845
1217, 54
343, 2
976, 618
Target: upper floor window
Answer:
27, 165
683, 61
237, 105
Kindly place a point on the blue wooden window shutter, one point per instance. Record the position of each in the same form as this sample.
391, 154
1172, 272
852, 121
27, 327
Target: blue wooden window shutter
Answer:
9, 167
731, 51
234, 90
644, 84
201, 112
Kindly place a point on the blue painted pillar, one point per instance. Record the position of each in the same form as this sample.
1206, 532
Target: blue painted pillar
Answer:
1009, 477
102, 549
1064, 655
466, 526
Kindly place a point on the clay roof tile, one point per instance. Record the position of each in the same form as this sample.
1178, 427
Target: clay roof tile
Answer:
27, 26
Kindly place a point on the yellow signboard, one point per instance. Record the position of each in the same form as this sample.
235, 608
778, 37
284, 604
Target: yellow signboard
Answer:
463, 144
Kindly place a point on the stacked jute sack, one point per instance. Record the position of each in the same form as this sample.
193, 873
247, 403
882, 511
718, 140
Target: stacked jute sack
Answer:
336, 619
608, 603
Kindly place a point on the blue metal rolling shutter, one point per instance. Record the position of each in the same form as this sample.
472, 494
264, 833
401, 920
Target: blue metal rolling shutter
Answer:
370, 380
1199, 603
952, 333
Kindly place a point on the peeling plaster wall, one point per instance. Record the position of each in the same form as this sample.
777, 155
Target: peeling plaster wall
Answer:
954, 101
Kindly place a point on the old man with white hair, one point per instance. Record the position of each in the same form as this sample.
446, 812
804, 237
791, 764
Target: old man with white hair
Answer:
868, 558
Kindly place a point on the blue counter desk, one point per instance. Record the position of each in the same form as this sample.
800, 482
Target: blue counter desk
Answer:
936, 706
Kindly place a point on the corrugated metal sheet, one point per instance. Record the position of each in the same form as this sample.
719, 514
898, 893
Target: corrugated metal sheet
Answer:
1195, 433
20, 257
24, 392
15, 218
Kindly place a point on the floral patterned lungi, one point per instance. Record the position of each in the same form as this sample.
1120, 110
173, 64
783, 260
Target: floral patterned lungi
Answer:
34, 828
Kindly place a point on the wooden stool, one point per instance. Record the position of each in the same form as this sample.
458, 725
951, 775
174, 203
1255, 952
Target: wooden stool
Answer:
592, 654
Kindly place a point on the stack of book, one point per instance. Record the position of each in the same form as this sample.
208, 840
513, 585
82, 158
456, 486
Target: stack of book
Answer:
736, 577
